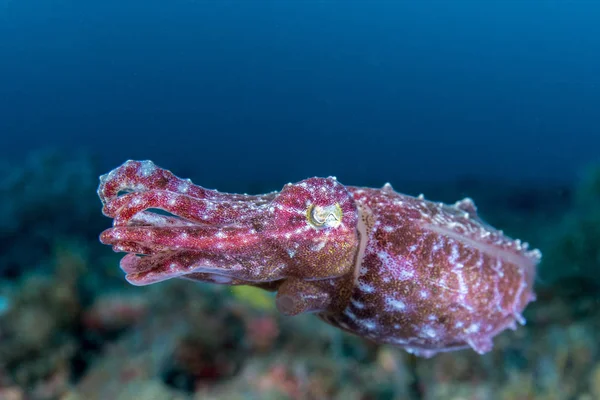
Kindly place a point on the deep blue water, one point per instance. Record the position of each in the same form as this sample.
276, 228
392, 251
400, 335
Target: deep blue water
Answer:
281, 90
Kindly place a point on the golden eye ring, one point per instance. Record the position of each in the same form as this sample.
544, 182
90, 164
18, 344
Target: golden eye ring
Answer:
324, 217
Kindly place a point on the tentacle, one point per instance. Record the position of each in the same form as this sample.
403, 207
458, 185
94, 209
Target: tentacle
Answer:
125, 207
180, 263
134, 176
199, 238
140, 176
162, 266
147, 218
132, 247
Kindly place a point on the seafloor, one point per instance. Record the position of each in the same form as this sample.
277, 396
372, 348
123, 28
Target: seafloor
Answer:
71, 328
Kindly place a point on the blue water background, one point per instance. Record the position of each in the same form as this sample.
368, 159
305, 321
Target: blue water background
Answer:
253, 91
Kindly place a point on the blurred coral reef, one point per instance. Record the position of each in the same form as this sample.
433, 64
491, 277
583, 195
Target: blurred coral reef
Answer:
71, 328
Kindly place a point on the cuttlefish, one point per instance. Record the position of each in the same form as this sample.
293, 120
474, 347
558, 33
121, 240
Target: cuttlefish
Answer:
389, 267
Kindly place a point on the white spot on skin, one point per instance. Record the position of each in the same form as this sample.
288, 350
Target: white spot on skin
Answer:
183, 187
399, 341
395, 304
392, 264
146, 168
365, 287
454, 255
369, 324
462, 286
428, 331
357, 304
473, 328
406, 274
319, 246
350, 314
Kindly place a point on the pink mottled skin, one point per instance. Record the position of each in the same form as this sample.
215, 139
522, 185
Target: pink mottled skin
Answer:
389, 267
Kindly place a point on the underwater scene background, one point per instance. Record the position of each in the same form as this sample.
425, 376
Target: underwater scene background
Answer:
496, 101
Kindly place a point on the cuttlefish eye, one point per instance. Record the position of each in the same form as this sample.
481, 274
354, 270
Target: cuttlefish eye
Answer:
324, 216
